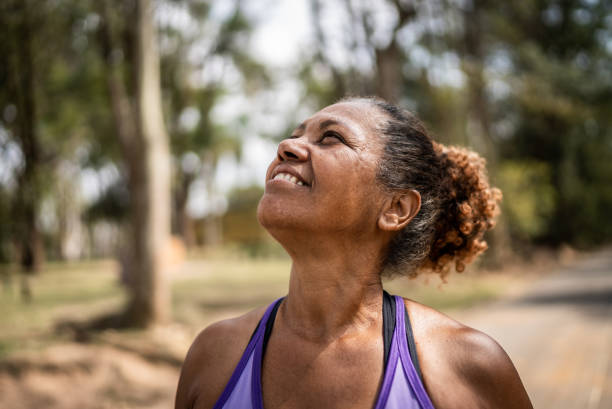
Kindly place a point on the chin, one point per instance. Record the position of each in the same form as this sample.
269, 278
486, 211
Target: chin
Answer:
276, 217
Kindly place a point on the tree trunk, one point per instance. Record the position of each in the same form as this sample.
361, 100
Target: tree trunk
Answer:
182, 225
150, 197
389, 72
22, 85
142, 133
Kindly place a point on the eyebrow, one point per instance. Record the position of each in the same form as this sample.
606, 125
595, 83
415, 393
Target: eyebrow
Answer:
327, 123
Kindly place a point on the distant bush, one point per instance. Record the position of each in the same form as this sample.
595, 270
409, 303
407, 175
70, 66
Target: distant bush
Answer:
529, 198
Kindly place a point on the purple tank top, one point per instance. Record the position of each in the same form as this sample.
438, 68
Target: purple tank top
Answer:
401, 387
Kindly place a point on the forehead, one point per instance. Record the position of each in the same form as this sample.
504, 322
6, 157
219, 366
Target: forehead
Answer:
360, 112
361, 118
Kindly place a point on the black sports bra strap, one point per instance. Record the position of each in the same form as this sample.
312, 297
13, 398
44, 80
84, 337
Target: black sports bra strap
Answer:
412, 345
270, 325
389, 328
388, 323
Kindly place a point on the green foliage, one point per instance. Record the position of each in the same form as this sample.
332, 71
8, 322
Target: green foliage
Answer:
561, 98
529, 198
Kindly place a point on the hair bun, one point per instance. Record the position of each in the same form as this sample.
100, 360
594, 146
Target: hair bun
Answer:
468, 211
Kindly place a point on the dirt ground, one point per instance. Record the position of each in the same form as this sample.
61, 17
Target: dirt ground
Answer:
111, 371
557, 330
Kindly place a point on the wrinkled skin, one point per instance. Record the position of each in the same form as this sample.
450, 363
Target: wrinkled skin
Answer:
326, 349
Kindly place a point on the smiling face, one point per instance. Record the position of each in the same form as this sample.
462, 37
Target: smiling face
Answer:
323, 179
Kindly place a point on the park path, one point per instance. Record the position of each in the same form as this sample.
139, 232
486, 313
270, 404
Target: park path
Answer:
559, 334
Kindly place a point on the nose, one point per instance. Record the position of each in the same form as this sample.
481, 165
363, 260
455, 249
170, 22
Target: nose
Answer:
292, 149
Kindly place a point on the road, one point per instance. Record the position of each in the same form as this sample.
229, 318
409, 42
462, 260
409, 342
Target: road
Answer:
559, 334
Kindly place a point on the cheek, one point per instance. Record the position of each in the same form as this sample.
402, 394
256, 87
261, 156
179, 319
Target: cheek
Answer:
349, 174
348, 188
273, 163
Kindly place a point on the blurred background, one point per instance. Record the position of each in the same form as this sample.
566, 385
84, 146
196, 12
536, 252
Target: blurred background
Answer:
134, 138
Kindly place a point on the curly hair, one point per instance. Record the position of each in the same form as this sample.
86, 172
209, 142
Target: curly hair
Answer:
457, 203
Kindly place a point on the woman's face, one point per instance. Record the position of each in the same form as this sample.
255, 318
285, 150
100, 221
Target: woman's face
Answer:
323, 178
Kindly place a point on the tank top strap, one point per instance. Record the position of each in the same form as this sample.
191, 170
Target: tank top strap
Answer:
404, 355
253, 350
264, 329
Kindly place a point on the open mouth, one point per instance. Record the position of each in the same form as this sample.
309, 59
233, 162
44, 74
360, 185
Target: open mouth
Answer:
289, 178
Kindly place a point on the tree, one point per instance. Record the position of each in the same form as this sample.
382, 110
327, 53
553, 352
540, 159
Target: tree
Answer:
140, 128
20, 77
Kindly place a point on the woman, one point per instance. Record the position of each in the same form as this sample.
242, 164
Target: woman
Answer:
360, 190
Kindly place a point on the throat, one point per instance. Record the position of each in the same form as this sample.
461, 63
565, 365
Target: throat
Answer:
321, 308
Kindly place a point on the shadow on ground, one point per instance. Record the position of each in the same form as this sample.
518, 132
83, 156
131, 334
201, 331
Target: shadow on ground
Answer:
580, 298
586, 288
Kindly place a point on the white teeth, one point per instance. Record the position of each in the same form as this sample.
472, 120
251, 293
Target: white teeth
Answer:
288, 178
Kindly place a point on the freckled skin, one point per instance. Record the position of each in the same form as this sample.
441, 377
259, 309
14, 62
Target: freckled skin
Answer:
326, 349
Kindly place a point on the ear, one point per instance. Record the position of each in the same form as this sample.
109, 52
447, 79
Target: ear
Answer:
399, 210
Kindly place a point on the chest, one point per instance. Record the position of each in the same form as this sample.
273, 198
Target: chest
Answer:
299, 375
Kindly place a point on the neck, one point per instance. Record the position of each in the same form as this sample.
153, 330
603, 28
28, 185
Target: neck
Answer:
333, 292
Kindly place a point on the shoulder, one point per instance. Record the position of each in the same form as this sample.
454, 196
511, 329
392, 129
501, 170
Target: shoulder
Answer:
211, 360
461, 364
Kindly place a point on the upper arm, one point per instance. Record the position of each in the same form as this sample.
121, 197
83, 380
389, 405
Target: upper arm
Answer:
487, 372
197, 368
184, 395
211, 360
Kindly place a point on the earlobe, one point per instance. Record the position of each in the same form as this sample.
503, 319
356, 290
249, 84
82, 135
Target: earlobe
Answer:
399, 210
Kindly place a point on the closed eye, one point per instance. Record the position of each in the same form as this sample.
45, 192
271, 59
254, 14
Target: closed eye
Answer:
332, 134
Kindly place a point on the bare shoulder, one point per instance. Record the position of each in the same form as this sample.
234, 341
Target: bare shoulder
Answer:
463, 367
211, 359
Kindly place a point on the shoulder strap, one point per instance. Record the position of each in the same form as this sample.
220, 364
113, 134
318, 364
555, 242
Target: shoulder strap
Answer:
270, 324
389, 328
388, 324
270, 317
408, 358
251, 349
263, 334
411, 344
